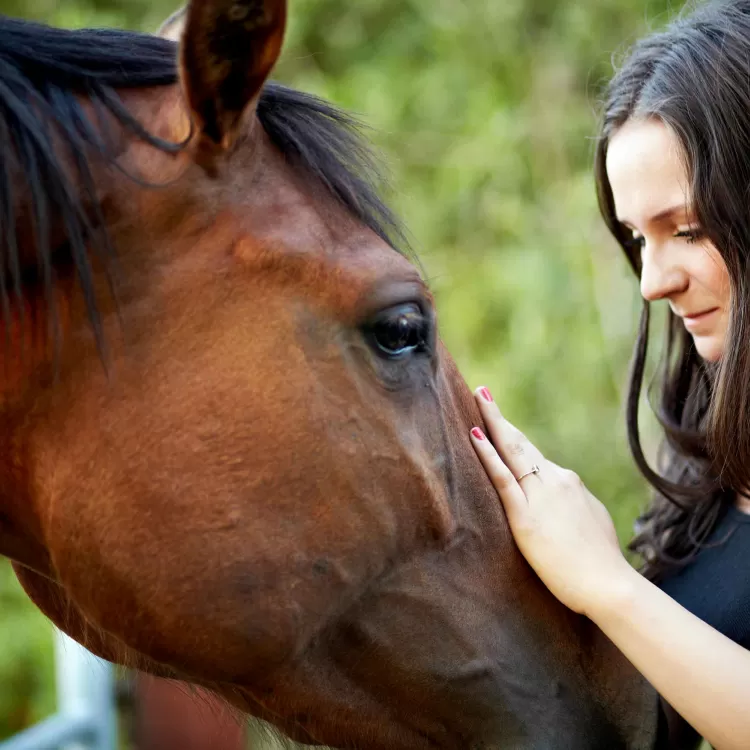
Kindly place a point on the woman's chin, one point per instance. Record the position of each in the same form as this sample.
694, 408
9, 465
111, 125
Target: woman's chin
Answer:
709, 348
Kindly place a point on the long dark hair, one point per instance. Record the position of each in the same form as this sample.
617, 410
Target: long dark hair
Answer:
695, 78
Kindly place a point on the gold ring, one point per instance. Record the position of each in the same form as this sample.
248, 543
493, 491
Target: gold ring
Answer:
533, 470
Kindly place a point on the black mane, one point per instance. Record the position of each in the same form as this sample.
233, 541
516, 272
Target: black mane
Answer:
43, 69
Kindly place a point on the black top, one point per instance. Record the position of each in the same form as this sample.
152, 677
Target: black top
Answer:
716, 585
716, 588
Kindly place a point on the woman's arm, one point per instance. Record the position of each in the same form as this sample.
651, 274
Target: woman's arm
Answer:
673, 732
568, 537
703, 675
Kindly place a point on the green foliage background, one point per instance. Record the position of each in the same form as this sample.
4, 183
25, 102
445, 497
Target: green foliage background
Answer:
485, 110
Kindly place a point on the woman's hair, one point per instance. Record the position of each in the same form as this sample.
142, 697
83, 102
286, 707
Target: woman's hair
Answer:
695, 78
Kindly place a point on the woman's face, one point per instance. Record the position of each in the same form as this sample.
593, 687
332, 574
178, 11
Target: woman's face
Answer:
650, 188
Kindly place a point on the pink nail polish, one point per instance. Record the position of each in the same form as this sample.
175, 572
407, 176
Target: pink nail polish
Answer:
478, 434
486, 395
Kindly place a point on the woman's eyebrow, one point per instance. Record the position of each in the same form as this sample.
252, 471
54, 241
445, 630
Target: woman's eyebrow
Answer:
667, 213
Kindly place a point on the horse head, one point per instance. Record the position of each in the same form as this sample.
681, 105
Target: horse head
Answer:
234, 448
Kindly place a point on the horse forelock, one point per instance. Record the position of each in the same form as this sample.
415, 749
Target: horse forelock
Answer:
49, 141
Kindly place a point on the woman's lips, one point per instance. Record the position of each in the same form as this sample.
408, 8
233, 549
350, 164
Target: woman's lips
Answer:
698, 320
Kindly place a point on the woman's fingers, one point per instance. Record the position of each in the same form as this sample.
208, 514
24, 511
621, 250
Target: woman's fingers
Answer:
516, 450
562, 530
510, 492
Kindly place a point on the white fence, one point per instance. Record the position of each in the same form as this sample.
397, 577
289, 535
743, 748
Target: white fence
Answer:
87, 714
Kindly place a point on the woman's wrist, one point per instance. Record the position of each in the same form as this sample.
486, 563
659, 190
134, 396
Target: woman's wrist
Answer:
616, 596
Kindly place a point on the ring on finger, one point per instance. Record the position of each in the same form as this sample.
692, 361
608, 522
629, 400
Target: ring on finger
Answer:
533, 470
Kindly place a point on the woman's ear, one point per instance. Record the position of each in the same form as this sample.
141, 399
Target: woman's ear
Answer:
227, 51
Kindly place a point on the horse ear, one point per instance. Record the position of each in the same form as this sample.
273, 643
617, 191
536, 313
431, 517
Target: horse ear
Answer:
228, 50
174, 26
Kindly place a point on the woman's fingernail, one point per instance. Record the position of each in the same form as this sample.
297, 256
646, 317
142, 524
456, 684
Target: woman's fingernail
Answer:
486, 395
477, 433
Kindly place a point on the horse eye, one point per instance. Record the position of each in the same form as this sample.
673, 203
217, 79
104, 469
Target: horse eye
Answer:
399, 331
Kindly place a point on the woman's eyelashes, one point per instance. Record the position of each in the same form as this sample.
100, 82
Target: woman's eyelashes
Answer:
693, 234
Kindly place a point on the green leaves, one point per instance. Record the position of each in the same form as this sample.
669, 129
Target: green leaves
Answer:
26, 658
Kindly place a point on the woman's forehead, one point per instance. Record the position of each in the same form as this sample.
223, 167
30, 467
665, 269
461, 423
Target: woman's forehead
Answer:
647, 172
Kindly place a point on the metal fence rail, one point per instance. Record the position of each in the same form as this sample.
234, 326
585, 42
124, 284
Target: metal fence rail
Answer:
87, 714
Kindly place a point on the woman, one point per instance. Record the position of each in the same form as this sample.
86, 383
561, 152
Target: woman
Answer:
673, 174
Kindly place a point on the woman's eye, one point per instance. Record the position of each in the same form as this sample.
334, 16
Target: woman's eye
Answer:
399, 331
691, 235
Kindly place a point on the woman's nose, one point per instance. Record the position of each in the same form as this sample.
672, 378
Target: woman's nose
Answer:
661, 274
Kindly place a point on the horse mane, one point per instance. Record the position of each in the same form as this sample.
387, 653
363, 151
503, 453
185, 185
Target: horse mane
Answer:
43, 73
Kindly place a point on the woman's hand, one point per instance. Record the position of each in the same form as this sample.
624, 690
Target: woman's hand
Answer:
563, 531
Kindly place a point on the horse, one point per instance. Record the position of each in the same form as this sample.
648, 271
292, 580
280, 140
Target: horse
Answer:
234, 450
